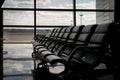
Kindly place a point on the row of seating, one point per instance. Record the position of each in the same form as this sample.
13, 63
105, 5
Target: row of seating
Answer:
76, 47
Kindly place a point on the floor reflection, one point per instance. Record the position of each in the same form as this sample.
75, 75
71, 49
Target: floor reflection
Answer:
18, 62
19, 78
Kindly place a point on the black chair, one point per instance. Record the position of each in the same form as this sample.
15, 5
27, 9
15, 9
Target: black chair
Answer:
64, 54
84, 59
64, 37
56, 38
43, 40
47, 37
81, 39
39, 38
48, 41
70, 39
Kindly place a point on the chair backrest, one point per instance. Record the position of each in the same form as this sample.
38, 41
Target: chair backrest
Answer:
54, 32
57, 33
85, 35
74, 33
66, 34
61, 33
102, 34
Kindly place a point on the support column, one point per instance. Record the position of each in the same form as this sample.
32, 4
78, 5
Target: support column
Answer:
1, 44
116, 48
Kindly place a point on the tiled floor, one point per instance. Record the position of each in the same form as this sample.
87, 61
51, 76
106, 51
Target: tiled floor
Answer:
18, 62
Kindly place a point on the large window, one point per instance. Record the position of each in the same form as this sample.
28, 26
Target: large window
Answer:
36, 15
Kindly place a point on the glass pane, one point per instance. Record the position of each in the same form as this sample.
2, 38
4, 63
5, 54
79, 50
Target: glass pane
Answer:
104, 17
55, 4
18, 4
95, 4
86, 18
54, 18
18, 34
86, 4
43, 31
105, 4
13, 67
18, 78
18, 50
18, 18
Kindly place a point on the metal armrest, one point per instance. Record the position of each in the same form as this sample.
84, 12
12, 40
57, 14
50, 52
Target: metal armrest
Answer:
89, 47
70, 44
53, 59
86, 49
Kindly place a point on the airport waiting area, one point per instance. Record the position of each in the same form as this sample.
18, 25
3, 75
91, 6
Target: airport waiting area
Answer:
78, 52
59, 40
